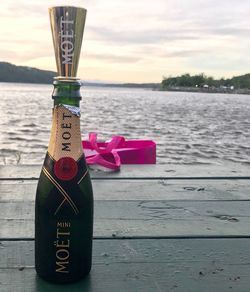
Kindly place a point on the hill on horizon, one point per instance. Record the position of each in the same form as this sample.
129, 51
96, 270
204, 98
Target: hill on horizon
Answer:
23, 74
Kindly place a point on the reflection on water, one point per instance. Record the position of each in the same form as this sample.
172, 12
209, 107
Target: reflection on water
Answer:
188, 127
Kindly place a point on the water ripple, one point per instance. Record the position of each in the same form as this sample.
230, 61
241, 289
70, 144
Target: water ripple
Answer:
189, 128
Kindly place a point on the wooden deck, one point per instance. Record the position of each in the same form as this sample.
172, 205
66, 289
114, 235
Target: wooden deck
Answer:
157, 228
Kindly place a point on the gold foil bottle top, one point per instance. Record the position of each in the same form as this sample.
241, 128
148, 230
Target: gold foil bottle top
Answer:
67, 26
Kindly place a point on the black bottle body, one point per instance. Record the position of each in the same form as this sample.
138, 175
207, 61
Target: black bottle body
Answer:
63, 227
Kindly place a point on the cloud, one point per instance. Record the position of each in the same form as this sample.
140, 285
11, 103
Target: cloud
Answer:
230, 31
25, 8
140, 37
183, 53
114, 58
22, 9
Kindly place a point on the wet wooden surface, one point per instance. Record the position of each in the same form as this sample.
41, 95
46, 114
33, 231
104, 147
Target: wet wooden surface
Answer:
229, 170
157, 228
151, 265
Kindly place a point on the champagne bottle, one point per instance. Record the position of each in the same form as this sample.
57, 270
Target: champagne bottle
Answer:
64, 198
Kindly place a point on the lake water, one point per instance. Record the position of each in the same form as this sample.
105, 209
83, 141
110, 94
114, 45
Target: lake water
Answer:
189, 128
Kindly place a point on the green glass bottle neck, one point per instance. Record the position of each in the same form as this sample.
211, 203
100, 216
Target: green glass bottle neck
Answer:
66, 92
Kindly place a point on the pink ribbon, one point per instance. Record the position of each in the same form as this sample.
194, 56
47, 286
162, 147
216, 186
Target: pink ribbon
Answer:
106, 155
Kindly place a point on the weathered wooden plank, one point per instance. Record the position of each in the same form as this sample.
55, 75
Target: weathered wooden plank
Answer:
144, 219
141, 171
140, 265
143, 190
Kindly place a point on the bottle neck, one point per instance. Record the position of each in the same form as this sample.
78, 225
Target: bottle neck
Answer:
65, 139
67, 92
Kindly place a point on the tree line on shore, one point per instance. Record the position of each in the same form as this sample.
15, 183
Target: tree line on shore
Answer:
201, 80
24, 74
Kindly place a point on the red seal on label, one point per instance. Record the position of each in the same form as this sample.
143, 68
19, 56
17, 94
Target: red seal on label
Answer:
65, 168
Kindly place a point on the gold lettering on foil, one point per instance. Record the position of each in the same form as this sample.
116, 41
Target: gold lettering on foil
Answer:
62, 245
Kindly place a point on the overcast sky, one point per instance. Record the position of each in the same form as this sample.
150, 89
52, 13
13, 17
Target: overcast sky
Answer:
135, 40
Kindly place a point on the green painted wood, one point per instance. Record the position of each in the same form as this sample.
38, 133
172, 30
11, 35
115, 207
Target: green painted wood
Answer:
142, 190
232, 170
143, 218
140, 265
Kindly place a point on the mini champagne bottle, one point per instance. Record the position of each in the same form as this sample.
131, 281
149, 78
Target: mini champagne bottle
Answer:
64, 198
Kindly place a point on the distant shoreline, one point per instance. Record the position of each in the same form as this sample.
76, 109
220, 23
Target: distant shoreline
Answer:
10, 73
157, 87
209, 90
147, 87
